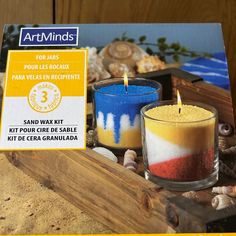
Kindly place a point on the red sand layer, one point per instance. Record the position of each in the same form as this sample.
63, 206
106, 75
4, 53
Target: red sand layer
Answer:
187, 168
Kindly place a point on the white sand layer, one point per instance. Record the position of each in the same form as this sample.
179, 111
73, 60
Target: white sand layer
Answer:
160, 150
125, 123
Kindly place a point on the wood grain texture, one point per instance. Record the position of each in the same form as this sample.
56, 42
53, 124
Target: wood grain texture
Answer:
115, 196
25, 12
110, 193
145, 11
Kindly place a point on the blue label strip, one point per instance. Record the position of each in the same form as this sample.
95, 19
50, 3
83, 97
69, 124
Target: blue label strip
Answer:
49, 36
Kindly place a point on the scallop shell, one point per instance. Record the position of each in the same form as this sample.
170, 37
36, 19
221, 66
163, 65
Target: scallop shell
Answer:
106, 153
222, 201
118, 69
123, 52
150, 63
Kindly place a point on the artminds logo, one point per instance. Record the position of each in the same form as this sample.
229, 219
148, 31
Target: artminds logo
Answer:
49, 36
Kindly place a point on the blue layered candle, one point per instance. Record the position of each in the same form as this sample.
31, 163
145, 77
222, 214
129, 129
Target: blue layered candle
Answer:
118, 112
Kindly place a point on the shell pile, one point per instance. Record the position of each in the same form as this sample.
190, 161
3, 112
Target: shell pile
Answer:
120, 57
150, 63
224, 198
96, 69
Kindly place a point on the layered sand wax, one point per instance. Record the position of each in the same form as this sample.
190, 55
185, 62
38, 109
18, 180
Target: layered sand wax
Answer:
117, 110
180, 142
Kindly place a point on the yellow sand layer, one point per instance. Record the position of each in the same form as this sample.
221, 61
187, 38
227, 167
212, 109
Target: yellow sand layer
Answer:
196, 136
189, 113
128, 139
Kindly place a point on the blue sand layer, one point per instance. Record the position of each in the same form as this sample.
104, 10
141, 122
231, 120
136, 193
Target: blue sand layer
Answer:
125, 103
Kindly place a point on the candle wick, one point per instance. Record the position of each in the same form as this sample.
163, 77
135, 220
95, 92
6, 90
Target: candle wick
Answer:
126, 88
179, 110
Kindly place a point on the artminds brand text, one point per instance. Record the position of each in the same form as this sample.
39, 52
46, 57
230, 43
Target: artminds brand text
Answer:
49, 36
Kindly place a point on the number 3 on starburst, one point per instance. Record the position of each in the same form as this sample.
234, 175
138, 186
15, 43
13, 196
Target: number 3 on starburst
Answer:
44, 96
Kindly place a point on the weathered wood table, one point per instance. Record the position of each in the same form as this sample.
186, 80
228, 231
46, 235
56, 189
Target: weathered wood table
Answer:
119, 198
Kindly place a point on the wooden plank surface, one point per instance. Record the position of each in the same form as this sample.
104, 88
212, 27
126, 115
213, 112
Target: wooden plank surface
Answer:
115, 196
144, 11
25, 12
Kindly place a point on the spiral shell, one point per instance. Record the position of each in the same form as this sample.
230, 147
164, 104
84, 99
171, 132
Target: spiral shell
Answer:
222, 201
129, 160
120, 50
123, 52
225, 129
228, 190
106, 153
150, 63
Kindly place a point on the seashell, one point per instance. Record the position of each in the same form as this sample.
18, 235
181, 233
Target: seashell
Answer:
123, 52
191, 195
118, 69
129, 160
150, 63
2, 76
106, 153
90, 138
228, 190
222, 201
96, 69
225, 129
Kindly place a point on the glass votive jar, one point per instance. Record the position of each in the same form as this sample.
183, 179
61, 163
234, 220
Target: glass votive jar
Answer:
180, 146
117, 111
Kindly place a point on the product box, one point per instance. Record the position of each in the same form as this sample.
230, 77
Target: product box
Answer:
158, 128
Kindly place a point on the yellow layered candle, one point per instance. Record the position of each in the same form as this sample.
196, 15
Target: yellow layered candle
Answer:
180, 143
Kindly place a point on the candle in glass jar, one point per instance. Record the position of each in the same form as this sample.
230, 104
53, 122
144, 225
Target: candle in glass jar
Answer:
180, 142
117, 110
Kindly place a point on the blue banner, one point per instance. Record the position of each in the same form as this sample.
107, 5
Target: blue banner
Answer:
49, 36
